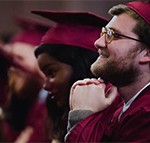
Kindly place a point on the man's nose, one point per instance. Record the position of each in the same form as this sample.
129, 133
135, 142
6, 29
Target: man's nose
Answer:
100, 42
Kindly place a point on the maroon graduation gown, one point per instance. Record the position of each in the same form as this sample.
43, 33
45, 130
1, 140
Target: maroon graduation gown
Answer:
35, 119
134, 124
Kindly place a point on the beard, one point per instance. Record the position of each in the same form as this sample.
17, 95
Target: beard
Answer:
120, 72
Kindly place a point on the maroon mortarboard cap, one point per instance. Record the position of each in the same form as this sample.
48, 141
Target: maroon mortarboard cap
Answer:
141, 8
31, 31
79, 29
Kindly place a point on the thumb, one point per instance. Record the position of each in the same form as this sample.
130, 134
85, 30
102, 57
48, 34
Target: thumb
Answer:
111, 95
70, 97
25, 135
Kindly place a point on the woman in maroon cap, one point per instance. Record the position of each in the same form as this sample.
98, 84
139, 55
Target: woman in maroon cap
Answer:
65, 55
124, 61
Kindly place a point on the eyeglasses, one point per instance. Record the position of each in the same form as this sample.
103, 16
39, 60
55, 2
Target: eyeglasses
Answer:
110, 35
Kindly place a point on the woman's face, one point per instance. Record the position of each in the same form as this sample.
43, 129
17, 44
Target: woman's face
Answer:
58, 75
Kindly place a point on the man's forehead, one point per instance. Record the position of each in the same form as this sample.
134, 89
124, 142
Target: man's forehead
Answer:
122, 23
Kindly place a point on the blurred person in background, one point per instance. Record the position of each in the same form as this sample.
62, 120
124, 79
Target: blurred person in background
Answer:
25, 110
3, 85
3, 75
64, 56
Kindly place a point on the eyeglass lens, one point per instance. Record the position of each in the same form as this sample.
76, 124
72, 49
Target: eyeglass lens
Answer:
108, 33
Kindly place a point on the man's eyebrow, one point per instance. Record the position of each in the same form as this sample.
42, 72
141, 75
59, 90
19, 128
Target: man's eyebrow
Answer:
115, 30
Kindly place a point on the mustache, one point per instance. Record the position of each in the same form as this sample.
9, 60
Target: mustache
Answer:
103, 52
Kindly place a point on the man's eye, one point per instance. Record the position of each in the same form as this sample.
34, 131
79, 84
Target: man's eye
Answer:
109, 34
102, 33
117, 36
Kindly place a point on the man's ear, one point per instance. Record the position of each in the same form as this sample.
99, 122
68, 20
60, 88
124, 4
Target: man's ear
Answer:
145, 58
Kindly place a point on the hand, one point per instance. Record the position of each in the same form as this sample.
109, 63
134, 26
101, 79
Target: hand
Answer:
25, 135
21, 58
89, 94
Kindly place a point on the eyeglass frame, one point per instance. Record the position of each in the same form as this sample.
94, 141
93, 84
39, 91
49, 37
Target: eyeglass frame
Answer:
114, 34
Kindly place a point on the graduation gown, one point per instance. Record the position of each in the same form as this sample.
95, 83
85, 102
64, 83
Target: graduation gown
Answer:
36, 119
133, 126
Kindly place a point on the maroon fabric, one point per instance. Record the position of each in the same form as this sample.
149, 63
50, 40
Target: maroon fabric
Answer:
73, 28
35, 119
92, 128
31, 31
76, 35
134, 125
141, 8
104, 127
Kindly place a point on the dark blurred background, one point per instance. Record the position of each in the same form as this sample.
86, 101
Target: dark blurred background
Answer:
11, 8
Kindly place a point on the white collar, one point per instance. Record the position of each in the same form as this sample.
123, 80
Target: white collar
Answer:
128, 104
